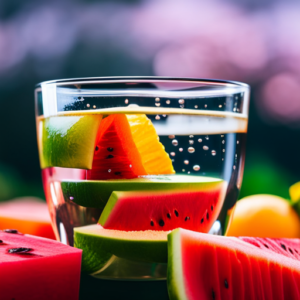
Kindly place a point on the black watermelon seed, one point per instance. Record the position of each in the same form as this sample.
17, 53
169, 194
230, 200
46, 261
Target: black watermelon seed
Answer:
266, 246
296, 250
1, 241
152, 223
186, 218
161, 223
110, 149
226, 283
118, 173
10, 230
207, 216
202, 220
176, 213
168, 216
291, 250
283, 246
97, 148
109, 156
212, 208
213, 294
19, 250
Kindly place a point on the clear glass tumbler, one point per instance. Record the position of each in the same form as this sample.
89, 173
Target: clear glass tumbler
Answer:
174, 149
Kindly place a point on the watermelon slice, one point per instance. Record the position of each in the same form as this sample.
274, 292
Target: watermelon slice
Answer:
116, 155
34, 268
164, 210
208, 267
29, 215
99, 244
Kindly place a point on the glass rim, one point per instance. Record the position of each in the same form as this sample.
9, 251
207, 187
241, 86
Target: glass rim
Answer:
119, 79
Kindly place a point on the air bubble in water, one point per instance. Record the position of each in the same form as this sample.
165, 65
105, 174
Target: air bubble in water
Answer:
157, 117
191, 136
189, 172
237, 142
172, 153
223, 150
126, 101
222, 135
200, 140
191, 150
233, 167
205, 105
180, 149
213, 152
196, 106
205, 148
181, 101
157, 99
220, 106
164, 116
186, 162
168, 102
157, 104
175, 143
109, 170
191, 142
196, 167
88, 105
130, 166
183, 170
172, 136
207, 137
223, 142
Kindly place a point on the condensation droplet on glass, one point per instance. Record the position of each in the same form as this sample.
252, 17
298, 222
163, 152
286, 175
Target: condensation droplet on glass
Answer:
237, 142
183, 170
157, 117
181, 101
223, 150
233, 167
157, 99
237, 109
175, 143
223, 142
180, 149
222, 158
157, 104
172, 160
196, 106
236, 97
181, 106
191, 136
220, 106
191, 142
196, 167
168, 102
130, 166
126, 101
222, 135
71, 198
191, 150
172, 153
207, 137
189, 172
171, 136
88, 105
200, 140
205, 105
205, 148
213, 152
109, 170
94, 106
186, 162
164, 116
235, 155
234, 109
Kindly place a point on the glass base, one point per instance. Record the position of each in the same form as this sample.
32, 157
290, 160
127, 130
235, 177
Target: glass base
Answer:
122, 269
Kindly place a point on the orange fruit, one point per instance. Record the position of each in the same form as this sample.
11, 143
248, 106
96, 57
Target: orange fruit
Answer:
264, 216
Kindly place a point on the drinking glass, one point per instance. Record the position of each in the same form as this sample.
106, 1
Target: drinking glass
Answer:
199, 130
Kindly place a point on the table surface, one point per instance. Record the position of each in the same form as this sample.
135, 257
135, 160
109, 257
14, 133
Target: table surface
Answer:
93, 288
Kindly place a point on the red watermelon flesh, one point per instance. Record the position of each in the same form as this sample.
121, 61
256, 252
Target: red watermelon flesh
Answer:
209, 267
116, 155
38, 268
164, 210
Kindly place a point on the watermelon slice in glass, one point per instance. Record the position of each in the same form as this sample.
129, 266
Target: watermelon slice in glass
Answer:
209, 267
35, 268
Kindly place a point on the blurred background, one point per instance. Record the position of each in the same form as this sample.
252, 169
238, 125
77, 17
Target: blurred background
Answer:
254, 41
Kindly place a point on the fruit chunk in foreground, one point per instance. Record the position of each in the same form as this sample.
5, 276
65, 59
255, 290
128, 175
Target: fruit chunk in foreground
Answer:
34, 268
208, 267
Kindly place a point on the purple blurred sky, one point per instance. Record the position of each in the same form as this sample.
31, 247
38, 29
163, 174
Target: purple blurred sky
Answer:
183, 38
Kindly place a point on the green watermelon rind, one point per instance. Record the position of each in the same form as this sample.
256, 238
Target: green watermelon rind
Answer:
98, 249
92, 193
175, 278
